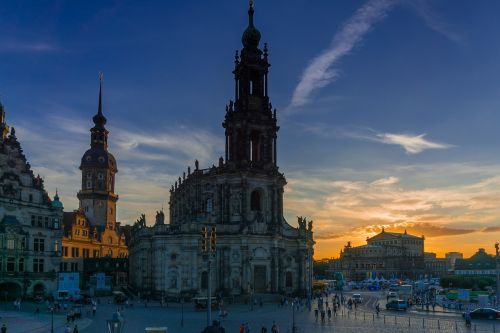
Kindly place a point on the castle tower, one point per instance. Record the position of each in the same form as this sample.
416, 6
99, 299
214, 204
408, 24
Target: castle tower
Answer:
97, 197
250, 122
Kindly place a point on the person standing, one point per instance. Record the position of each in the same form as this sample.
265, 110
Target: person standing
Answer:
75, 330
4, 329
274, 328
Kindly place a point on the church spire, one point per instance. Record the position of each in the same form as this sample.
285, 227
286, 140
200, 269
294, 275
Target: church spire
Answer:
99, 119
99, 134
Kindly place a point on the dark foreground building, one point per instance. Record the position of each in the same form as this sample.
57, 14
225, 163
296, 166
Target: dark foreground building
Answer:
241, 195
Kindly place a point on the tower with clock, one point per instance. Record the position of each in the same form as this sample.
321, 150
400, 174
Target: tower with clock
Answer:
97, 195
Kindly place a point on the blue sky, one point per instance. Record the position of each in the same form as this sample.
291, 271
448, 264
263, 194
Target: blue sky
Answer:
389, 109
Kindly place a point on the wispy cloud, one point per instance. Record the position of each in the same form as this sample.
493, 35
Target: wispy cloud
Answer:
27, 46
321, 71
413, 144
433, 20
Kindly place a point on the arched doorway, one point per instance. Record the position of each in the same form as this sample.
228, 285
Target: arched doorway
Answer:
10, 291
39, 289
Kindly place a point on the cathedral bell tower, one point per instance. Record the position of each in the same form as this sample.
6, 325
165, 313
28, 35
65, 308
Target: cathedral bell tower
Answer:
250, 121
97, 196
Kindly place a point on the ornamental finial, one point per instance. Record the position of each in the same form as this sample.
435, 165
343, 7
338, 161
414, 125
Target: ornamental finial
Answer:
250, 3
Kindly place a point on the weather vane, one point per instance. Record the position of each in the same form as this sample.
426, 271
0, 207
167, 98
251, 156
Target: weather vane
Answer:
101, 76
251, 3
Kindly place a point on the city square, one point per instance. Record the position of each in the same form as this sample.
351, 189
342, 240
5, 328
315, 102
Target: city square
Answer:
184, 318
237, 171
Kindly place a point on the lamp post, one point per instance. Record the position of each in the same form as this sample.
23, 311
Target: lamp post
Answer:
498, 273
116, 323
52, 319
182, 312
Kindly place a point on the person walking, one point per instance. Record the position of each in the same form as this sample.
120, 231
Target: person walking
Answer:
247, 328
274, 328
3, 329
94, 309
263, 329
75, 330
242, 328
67, 329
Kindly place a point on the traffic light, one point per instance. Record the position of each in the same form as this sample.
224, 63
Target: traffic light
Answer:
204, 239
213, 240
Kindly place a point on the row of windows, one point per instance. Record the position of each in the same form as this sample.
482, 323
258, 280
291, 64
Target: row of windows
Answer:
17, 265
44, 222
75, 253
72, 267
38, 244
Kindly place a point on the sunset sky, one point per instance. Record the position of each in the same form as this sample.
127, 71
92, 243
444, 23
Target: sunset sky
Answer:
389, 109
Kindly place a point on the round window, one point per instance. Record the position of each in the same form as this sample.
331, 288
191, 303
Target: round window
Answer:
101, 159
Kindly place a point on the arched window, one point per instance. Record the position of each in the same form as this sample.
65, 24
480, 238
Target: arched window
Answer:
204, 280
110, 240
255, 201
209, 205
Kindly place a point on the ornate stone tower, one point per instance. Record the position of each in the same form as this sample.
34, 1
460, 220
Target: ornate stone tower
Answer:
97, 197
250, 123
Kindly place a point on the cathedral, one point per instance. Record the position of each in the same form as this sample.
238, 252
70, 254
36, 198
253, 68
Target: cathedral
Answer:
240, 197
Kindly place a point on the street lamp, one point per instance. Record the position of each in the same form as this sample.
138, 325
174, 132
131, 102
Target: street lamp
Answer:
182, 311
52, 319
116, 323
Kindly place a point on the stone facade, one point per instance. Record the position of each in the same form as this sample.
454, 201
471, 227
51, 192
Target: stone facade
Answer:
436, 267
91, 231
30, 224
388, 255
242, 196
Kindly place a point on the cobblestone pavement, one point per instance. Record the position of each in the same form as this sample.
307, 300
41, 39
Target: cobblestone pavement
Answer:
138, 317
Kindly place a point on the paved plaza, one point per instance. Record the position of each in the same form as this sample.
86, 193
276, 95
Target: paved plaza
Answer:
184, 318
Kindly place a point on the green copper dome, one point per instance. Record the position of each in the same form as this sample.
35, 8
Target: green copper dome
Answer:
56, 203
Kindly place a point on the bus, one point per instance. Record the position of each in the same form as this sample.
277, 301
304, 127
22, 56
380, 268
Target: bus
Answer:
405, 292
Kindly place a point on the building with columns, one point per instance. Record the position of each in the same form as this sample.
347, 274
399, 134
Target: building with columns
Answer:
387, 254
30, 224
258, 252
91, 231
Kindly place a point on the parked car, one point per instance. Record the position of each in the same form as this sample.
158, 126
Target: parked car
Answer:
397, 304
357, 298
484, 313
